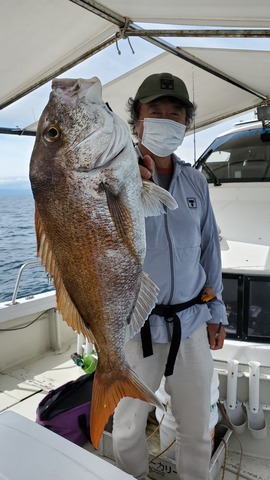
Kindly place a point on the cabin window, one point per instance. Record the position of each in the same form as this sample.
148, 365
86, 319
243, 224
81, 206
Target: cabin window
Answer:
242, 157
247, 300
258, 315
232, 296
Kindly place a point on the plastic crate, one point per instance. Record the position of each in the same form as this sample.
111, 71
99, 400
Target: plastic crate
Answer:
164, 467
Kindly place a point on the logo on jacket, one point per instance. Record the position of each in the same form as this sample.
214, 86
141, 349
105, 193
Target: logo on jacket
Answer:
191, 202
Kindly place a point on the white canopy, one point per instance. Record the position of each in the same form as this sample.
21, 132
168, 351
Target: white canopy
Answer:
231, 13
42, 38
215, 98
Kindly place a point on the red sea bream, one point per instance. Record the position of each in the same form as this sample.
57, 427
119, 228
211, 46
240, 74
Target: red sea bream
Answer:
90, 203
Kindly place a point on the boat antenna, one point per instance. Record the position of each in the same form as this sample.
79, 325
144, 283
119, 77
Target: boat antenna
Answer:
194, 121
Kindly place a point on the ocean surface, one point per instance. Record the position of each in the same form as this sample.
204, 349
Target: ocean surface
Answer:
18, 246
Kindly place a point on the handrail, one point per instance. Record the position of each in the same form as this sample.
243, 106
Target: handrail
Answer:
25, 265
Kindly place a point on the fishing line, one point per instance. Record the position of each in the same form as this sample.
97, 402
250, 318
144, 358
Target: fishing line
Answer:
152, 434
238, 472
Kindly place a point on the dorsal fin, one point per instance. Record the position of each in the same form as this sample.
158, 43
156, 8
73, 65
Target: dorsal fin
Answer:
64, 303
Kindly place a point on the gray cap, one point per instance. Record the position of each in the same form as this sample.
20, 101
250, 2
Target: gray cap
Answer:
163, 85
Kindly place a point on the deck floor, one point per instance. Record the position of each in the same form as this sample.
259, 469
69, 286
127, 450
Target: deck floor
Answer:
23, 387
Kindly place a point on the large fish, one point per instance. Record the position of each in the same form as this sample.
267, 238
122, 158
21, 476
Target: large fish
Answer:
90, 204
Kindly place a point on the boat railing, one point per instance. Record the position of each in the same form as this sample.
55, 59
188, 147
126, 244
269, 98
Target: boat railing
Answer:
23, 267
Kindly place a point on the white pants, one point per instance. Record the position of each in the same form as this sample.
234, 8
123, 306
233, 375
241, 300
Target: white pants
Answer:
190, 391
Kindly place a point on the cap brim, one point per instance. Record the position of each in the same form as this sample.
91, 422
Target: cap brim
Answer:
154, 97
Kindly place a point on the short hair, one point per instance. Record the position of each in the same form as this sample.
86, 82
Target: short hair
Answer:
134, 106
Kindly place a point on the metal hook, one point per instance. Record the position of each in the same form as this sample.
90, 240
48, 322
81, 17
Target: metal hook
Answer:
122, 34
116, 42
130, 46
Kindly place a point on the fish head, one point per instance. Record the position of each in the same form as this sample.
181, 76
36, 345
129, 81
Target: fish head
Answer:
76, 132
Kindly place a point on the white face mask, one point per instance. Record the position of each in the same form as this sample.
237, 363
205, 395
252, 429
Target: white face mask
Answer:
161, 136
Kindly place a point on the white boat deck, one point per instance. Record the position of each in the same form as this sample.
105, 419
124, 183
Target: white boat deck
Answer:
23, 387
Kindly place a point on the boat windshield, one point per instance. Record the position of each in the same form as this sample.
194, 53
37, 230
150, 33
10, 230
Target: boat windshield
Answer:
238, 157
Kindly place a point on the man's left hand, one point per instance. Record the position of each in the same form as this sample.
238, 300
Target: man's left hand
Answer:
216, 335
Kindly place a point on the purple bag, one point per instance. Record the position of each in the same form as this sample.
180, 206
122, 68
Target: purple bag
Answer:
66, 410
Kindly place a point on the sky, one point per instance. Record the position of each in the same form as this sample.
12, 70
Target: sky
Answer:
15, 151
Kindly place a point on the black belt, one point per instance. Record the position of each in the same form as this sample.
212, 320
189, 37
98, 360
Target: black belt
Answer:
167, 311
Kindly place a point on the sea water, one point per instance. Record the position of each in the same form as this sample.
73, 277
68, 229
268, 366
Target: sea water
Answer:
18, 246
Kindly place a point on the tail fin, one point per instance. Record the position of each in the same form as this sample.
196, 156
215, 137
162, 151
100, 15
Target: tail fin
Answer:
107, 394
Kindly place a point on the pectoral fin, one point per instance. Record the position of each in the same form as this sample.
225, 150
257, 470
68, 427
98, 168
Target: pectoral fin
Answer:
155, 199
121, 218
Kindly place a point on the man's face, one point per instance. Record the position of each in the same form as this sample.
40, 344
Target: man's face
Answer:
165, 107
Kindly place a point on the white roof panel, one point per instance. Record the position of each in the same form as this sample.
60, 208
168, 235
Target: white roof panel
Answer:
215, 98
231, 13
39, 37
43, 38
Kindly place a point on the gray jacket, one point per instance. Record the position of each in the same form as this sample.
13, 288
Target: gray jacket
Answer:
183, 253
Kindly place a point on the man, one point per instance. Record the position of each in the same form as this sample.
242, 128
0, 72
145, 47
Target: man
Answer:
183, 259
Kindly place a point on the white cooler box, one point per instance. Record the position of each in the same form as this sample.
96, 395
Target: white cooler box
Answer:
29, 451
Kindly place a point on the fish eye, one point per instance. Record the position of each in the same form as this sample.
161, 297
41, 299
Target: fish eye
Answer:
52, 133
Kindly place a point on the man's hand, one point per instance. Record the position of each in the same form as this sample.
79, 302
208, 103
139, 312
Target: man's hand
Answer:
148, 168
216, 335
